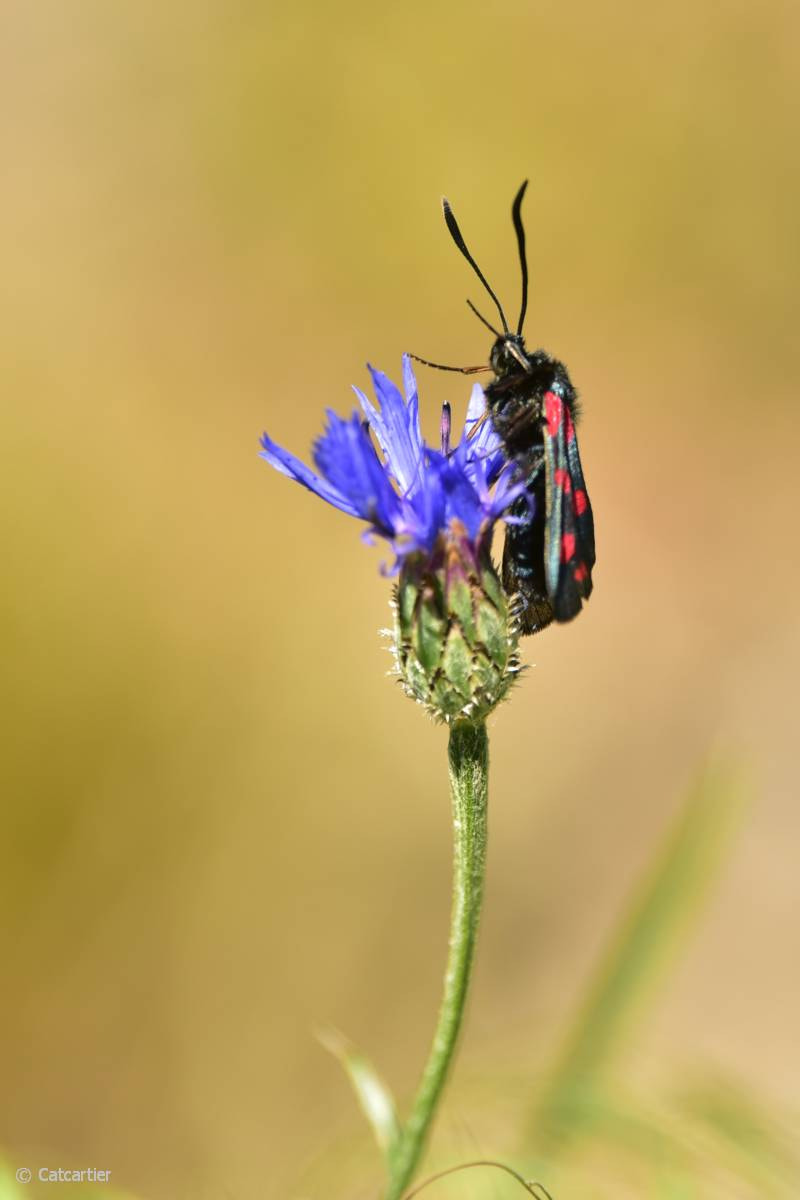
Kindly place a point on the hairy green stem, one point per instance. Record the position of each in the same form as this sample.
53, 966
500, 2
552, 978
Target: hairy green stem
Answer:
468, 755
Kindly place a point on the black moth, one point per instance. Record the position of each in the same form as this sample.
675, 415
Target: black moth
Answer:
533, 407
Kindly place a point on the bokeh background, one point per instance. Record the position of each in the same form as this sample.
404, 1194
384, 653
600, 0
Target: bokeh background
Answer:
222, 824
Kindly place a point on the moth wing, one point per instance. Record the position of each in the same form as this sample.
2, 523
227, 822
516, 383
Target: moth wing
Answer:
569, 527
584, 520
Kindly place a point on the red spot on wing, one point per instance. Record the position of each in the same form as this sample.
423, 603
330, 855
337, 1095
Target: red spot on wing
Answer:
581, 572
562, 480
554, 412
581, 502
567, 547
570, 427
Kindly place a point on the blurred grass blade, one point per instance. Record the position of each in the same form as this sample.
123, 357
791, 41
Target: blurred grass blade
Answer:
740, 1122
669, 896
9, 1188
373, 1095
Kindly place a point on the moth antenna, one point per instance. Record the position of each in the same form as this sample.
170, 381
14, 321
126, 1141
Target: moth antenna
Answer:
481, 318
456, 235
441, 367
516, 217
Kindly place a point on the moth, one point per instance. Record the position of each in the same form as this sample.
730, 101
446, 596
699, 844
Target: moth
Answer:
533, 406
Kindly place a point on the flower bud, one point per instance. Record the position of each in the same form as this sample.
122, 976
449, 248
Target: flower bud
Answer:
456, 632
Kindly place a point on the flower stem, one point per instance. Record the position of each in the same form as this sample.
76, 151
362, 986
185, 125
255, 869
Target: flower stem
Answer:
468, 755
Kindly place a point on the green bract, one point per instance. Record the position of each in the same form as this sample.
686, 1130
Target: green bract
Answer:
456, 633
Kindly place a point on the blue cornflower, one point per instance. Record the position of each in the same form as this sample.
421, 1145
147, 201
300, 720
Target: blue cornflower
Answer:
415, 494
455, 635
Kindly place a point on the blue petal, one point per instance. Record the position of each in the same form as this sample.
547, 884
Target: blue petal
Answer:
396, 426
475, 409
286, 462
463, 503
410, 384
482, 442
424, 512
507, 490
346, 457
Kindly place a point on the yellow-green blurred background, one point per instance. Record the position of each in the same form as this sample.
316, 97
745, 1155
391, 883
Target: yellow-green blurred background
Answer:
222, 824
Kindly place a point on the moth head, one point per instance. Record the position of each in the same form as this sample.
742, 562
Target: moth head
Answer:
508, 355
